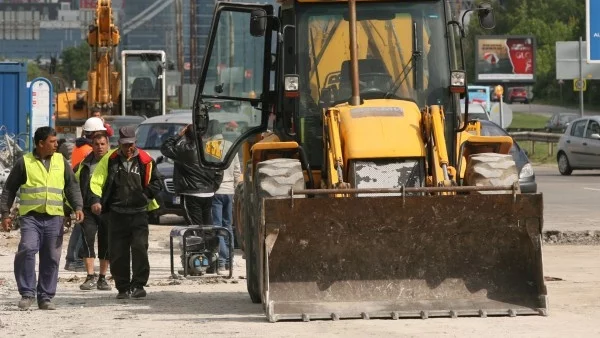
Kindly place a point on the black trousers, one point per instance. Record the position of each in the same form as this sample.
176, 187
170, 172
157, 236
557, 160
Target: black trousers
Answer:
91, 225
128, 232
197, 210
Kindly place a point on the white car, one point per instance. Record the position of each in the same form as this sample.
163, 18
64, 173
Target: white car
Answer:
579, 146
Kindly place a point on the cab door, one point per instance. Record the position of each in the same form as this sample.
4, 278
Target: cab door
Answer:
235, 72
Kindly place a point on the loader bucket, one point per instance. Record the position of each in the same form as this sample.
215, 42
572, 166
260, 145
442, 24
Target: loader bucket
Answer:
395, 257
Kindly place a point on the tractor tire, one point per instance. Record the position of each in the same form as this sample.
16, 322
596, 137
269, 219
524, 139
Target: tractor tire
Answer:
275, 177
250, 252
491, 169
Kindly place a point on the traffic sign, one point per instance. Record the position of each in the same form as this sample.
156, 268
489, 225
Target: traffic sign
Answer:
579, 84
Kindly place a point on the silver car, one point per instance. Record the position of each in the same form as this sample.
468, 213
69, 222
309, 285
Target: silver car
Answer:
579, 146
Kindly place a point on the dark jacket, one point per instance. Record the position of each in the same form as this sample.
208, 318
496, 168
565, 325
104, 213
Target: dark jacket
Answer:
126, 190
188, 176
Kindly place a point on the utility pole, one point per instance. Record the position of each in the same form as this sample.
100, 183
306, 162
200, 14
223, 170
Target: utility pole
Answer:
179, 29
193, 41
580, 80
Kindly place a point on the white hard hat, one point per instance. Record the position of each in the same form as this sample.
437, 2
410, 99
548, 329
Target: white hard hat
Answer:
93, 124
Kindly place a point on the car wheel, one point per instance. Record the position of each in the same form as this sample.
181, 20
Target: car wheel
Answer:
563, 165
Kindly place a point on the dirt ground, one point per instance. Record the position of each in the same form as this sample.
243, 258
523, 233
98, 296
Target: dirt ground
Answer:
217, 307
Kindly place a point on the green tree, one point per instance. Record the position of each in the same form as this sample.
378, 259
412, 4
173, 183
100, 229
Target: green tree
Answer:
76, 63
548, 21
33, 71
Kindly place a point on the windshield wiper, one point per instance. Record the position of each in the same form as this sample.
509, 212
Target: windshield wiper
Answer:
416, 54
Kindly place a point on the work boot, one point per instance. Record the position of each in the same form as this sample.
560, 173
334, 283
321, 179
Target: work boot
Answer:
123, 295
138, 293
25, 303
103, 285
46, 305
89, 284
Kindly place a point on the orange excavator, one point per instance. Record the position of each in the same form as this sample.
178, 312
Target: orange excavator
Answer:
107, 89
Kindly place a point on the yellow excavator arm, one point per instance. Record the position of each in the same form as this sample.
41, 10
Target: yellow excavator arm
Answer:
103, 79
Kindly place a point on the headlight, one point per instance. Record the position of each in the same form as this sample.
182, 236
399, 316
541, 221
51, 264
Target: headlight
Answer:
526, 171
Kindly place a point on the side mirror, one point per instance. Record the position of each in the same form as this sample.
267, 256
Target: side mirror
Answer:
595, 136
258, 22
486, 16
160, 159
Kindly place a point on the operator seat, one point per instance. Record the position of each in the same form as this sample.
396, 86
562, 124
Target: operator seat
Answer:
142, 87
372, 74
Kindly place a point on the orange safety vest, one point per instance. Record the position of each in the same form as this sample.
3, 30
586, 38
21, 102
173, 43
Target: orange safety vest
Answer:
79, 154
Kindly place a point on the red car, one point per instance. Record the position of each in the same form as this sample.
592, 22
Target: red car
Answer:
517, 94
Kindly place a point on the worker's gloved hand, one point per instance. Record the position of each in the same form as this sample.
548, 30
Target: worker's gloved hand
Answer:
96, 208
6, 224
79, 216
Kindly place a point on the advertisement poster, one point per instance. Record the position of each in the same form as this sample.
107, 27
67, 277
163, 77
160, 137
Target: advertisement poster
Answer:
505, 59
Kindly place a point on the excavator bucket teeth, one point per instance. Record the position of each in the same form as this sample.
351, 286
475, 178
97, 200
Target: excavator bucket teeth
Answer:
395, 257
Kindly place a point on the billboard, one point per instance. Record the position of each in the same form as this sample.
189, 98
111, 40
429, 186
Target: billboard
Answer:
504, 59
592, 10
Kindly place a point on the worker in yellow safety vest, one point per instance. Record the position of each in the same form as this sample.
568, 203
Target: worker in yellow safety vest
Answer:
44, 177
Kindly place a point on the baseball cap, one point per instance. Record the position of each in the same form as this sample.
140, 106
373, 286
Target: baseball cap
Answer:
127, 135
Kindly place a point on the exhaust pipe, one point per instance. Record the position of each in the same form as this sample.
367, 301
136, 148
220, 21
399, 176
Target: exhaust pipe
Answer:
355, 98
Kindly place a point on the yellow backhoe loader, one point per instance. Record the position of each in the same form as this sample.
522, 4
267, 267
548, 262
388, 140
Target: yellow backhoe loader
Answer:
366, 194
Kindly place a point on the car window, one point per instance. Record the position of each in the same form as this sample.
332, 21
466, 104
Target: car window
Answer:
578, 128
491, 129
592, 128
152, 135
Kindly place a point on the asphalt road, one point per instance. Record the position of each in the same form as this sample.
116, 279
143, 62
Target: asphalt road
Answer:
571, 203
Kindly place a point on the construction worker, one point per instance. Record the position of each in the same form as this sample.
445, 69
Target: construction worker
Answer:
109, 130
124, 184
83, 147
93, 223
43, 176
196, 185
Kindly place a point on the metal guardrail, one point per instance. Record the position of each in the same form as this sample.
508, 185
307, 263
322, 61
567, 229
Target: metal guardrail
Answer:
533, 137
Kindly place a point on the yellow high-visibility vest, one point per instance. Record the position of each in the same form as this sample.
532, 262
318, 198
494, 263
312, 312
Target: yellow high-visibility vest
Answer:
43, 190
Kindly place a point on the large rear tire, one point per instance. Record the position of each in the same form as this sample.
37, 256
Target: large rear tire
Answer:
248, 233
491, 169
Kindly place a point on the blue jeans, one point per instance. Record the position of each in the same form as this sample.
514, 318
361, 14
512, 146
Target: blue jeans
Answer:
222, 214
44, 234
75, 244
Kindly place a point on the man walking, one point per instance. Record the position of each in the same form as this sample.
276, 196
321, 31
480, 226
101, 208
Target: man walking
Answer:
196, 185
43, 176
124, 184
93, 223
83, 147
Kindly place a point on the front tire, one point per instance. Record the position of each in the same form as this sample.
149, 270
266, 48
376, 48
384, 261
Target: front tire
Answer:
563, 165
491, 169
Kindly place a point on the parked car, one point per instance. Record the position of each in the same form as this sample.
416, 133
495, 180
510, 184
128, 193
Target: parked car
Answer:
560, 121
153, 131
527, 181
579, 146
517, 94
118, 121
